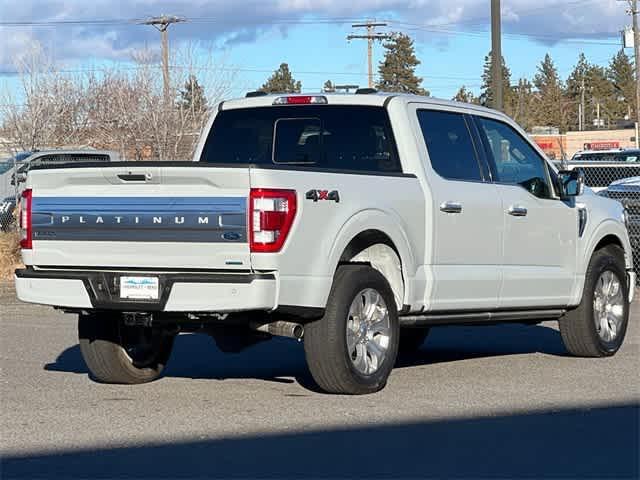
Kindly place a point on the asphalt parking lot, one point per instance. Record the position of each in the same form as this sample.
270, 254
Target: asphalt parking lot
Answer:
475, 402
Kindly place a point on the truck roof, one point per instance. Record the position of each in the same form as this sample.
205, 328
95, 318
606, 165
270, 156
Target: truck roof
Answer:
371, 99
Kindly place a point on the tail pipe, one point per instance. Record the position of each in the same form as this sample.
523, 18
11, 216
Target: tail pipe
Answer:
281, 329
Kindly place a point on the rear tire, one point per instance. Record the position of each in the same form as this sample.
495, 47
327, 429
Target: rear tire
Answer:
597, 327
353, 348
115, 353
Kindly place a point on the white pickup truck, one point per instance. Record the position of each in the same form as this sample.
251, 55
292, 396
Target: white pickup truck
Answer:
353, 222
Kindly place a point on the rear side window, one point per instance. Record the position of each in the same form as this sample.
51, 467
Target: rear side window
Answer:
330, 137
449, 144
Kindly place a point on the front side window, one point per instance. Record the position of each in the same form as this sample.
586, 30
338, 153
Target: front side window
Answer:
449, 145
515, 161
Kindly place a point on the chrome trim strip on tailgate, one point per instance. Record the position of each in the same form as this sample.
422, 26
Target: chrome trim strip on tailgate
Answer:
148, 219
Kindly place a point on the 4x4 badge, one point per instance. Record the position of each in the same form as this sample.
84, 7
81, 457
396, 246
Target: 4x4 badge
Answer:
316, 195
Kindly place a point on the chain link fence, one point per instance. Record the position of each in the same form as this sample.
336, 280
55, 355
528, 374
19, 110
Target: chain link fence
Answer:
619, 181
8, 195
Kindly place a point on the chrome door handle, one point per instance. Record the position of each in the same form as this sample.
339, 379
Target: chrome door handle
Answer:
517, 211
451, 207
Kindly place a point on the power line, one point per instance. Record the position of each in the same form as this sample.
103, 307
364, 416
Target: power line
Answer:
136, 21
484, 33
229, 69
436, 28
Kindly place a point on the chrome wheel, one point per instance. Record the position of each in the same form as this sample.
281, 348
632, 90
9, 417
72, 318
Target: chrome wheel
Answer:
368, 331
608, 306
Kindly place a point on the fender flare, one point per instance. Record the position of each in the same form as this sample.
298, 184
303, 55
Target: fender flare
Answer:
605, 228
386, 222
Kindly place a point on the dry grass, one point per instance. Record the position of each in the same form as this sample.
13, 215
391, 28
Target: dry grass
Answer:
9, 254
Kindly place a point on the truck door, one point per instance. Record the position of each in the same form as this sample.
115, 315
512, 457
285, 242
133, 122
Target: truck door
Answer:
540, 230
467, 217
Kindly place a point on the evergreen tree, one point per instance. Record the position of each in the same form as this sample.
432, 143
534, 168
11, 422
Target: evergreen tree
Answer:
329, 87
397, 69
486, 90
551, 104
282, 81
598, 92
523, 103
192, 97
465, 96
621, 75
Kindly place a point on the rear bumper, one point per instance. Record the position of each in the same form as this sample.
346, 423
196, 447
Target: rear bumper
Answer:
179, 292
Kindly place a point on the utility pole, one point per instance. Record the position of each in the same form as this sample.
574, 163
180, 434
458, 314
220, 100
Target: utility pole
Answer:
496, 55
582, 116
636, 48
371, 36
161, 24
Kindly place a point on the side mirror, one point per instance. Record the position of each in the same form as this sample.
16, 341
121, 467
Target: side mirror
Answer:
571, 183
21, 177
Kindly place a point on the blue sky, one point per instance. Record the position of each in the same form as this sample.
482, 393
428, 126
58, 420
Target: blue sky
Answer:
254, 37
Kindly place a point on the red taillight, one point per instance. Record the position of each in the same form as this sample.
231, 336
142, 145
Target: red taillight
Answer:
25, 220
271, 214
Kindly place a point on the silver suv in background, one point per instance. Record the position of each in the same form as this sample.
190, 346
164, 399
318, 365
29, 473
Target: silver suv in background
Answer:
13, 174
627, 192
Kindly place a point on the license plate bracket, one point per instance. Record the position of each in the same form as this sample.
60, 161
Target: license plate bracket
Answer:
139, 288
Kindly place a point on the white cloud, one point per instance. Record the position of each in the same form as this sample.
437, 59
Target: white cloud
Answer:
244, 20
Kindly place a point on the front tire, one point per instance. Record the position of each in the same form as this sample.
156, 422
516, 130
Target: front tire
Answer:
597, 327
116, 353
353, 348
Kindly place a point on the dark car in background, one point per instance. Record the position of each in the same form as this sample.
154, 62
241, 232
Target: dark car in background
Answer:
602, 168
629, 155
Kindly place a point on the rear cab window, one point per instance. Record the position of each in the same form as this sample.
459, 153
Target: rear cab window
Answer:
317, 137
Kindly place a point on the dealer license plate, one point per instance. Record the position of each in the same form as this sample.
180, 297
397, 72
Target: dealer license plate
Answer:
146, 288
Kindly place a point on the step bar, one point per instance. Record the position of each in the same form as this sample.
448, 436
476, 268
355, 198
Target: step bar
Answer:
471, 318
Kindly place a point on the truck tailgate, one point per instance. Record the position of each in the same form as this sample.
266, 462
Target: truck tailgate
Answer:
179, 216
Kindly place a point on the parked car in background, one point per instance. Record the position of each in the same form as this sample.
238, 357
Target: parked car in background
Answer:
618, 155
46, 158
13, 173
627, 192
602, 168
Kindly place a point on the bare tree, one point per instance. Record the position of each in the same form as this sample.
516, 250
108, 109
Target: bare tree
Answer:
53, 113
116, 109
